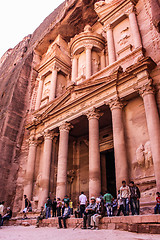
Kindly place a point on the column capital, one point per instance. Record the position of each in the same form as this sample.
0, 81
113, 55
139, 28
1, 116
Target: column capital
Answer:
48, 134
132, 9
115, 104
88, 46
65, 127
107, 27
32, 141
146, 89
94, 113
55, 67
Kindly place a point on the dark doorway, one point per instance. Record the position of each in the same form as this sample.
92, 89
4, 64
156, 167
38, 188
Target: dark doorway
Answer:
110, 171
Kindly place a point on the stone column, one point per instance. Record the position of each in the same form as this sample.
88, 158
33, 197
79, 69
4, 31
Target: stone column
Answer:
153, 124
94, 153
121, 164
103, 59
111, 46
134, 28
88, 60
53, 86
61, 189
39, 94
103, 172
30, 168
74, 68
45, 168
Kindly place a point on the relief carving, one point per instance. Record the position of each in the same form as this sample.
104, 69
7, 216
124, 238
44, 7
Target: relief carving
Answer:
124, 36
144, 156
95, 65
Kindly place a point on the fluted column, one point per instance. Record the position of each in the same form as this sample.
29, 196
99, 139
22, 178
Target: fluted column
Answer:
61, 189
74, 68
121, 164
88, 60
111, 45
30, 167
39, 94
134, 28
103, 59
153, 124
45, 168
52, 93
94, 153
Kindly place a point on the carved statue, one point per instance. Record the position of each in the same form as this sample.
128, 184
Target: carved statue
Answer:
144, 156
95, 65
148, 155
140, 155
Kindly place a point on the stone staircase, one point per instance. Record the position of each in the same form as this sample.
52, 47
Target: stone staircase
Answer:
138, 224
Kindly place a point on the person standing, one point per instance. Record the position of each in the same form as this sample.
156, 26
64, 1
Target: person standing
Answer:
157, 207
83, 202
27, 206
125, 196
120, 205
108, 198
59, 206
54, 207
134, 198
48, 207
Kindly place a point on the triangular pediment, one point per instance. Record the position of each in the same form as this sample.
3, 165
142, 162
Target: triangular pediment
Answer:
73, 95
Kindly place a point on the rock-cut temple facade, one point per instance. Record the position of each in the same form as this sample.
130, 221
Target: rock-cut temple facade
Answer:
80, 104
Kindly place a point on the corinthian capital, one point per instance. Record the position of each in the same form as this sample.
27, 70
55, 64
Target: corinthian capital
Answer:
32, 141
147, 88
115, 103
48, 134
94, 113
89, 46
66, 127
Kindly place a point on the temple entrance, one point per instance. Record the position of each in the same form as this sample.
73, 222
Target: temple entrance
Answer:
108, 172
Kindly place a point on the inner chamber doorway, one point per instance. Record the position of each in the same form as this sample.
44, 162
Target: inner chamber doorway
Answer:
108, 177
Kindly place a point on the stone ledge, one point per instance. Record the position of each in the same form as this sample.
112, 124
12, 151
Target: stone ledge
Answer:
139, 224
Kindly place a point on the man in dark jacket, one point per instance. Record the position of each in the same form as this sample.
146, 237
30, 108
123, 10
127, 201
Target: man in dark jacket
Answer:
66, 214
48, 207
7, 216
134, 198
41, 216
54, 207
89, 211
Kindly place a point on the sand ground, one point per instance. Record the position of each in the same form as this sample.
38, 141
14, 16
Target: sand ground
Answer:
32, 233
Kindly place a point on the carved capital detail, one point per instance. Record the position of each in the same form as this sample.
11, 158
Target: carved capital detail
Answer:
147, 88
94, 113
32, 141
48, 135
131, 10
65, 127
107, 27
115, 103
88, 46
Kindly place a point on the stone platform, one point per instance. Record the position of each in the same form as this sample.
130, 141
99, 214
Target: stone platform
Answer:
138, 224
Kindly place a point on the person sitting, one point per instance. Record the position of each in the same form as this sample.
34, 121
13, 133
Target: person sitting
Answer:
77, 212
157, 207
7, 216
89, 211
114, 206
66, 214
108, 198
1, 212
41, 216
100, 212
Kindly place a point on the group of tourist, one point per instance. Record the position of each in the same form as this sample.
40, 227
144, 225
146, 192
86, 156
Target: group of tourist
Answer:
127, 201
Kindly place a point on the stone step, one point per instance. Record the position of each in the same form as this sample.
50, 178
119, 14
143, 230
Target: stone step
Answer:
139, 224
